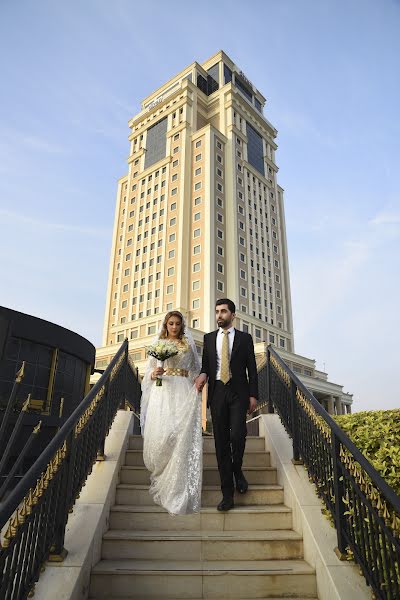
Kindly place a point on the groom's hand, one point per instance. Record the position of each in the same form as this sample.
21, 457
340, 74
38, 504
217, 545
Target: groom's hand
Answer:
200, 381
252, 404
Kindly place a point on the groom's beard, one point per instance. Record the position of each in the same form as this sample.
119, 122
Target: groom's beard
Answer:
224, 323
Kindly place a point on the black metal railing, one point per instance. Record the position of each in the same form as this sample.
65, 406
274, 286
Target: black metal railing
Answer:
364, 508
33, 518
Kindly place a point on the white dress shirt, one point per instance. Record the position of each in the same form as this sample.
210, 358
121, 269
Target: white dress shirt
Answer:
220, 335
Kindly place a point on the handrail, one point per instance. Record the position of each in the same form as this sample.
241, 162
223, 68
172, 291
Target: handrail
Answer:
364, 508
8, 506
385, 488
34, 516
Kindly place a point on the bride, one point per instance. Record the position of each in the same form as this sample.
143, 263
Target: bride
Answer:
170, 420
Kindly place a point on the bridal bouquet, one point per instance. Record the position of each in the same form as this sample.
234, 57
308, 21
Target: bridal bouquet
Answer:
162, 350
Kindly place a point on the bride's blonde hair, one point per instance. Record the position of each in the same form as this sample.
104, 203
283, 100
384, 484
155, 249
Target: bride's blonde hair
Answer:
164, 330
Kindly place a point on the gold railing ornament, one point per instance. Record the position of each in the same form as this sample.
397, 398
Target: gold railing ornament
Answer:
313, 415
116, 367
281, 371
21, 373
37, 428
89, 411
11, 531
33, 496
25, 406
378, 501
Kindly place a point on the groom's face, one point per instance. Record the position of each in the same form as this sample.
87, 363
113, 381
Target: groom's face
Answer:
224, 316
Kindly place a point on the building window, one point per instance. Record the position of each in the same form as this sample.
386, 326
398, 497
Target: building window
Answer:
196, 233
172, 237
245, 327
172, 222
197, 185
170, 289
196, 285
171, 254
198, 157
197, 172
198, 143
156, 143
196, 267
196, 303
120, 337
220, 268
197, 201
220, 250
171, 271
255, 153
173, 206
195, 323
197, 249
220, 286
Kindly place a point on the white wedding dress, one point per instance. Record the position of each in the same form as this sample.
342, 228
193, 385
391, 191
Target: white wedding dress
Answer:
171, 428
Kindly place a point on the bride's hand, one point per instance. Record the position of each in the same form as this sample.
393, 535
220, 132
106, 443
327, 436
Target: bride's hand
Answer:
157, 372
200, 381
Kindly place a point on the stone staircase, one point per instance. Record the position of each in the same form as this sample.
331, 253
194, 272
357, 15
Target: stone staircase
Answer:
249, 552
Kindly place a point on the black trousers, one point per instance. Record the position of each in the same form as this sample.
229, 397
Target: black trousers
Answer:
228, 415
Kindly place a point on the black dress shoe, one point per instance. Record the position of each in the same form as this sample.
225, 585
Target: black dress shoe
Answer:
225, 504
241, 483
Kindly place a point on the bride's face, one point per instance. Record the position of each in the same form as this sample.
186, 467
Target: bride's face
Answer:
174, 325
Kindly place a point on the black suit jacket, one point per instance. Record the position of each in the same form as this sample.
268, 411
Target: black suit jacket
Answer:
242, 365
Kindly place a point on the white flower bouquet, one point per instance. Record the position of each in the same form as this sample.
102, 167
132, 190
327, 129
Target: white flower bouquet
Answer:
162, 350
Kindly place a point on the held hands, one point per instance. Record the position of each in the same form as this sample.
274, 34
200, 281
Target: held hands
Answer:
157, 373
200, 381
252, 405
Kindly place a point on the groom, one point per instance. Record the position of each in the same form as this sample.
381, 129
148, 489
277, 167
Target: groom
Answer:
229, 365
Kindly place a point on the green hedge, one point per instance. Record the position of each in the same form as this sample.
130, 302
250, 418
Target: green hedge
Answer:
377, 434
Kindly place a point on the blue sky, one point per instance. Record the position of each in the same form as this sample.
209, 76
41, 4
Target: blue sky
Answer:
73, 73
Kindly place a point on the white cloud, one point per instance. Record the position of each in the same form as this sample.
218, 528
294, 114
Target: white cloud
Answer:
11, 218
386, 218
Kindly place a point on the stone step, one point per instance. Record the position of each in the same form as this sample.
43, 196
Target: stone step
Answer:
211, 495
202, 579
253, 443
155, 518
257, 458
254, 475
202, 545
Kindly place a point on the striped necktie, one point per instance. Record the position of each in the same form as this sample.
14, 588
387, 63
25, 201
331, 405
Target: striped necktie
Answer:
225, 375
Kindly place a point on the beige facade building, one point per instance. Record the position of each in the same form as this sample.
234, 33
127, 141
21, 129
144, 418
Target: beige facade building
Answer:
199, 215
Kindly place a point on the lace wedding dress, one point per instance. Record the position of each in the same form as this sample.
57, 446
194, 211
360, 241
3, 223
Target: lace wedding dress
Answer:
171, 428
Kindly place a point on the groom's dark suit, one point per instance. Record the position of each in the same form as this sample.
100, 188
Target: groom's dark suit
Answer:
229, 403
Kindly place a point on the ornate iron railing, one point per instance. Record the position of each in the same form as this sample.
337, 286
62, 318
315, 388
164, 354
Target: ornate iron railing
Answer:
364, 508
33, 518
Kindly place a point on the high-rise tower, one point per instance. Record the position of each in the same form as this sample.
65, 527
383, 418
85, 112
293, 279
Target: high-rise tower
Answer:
199, 214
